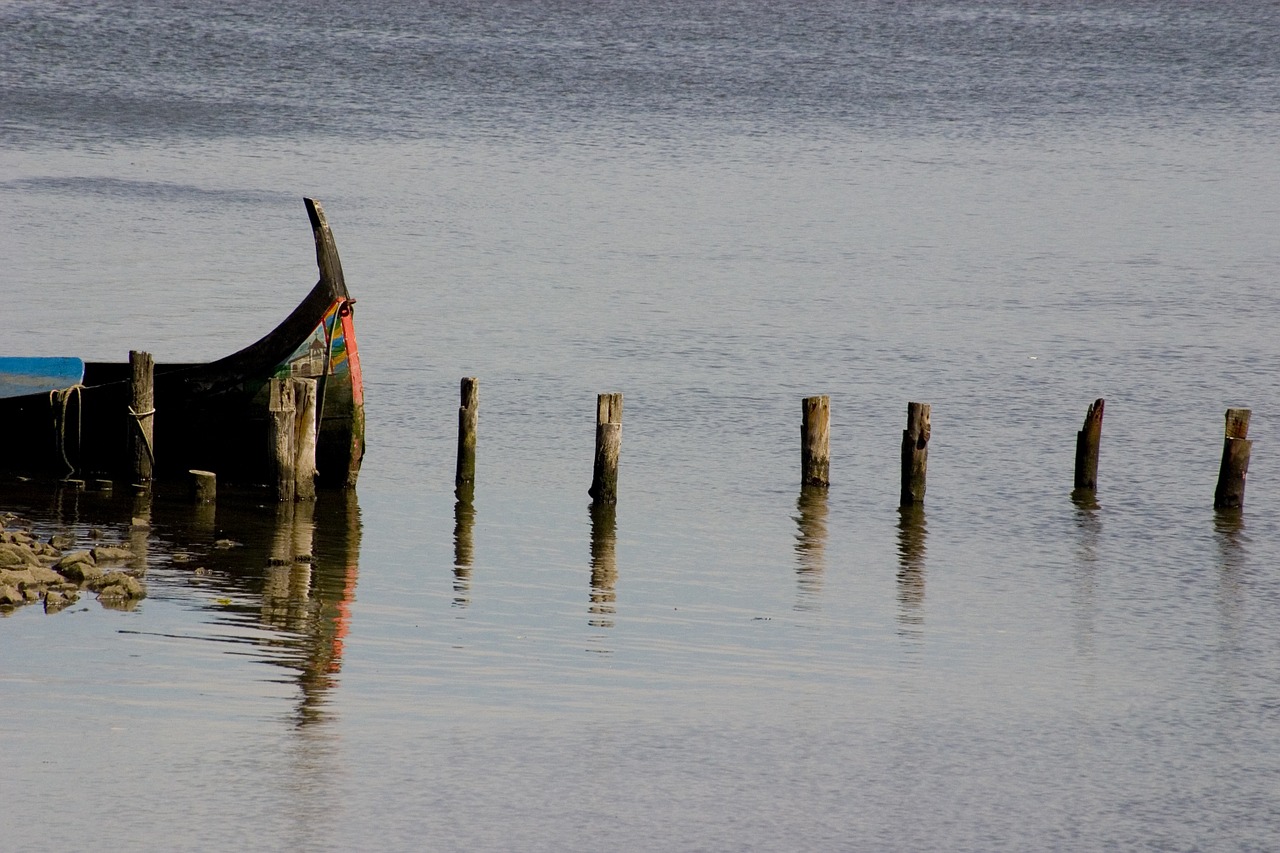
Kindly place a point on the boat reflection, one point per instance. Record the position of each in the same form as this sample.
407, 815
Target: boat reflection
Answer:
811, 544
303, 563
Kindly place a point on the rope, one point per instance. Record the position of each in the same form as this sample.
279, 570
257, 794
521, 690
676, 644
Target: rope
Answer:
146, 439
329, 335
59, 400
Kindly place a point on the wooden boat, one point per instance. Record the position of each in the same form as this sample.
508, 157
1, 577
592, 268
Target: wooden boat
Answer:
211, 416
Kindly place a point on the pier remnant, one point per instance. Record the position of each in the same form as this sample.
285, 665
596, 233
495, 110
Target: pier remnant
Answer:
815, 441
142, 411
915, 454
604, 479
204, 486
282, 438
305, 397
1235, 461
1087, 441
468, 424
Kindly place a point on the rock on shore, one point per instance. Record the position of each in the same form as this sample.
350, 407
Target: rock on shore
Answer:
33, 571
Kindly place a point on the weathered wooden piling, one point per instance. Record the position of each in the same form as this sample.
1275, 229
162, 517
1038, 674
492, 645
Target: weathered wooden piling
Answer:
1235, 461
468, 424
304, 401
815, 441
604, 480
142, 411
204, 486
282, 438
1087, 441
915, 453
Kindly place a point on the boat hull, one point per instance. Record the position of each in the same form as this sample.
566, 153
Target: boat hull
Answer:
210, 416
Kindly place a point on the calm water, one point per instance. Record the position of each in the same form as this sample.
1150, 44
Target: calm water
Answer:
1003, 209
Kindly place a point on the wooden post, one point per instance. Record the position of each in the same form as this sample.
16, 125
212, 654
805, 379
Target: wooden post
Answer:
468, 421
1235, 461
142, 411
281, 438
915, 453
604, 480
204, 486
304, 400
815, 440
1087, 440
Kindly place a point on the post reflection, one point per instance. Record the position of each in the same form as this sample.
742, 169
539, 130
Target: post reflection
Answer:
287, 587
811, 544
1084, 593
140, 530
308, 584
464, 522
1229, 529
604, 565
912, 533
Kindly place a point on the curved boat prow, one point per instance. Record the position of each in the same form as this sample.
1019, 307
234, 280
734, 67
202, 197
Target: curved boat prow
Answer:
326, 250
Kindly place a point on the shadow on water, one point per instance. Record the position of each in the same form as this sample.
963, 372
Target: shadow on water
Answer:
811, 544
277, 578
464, 523
604, 565
912, 532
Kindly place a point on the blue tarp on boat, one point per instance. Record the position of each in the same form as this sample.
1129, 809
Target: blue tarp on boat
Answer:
20, 376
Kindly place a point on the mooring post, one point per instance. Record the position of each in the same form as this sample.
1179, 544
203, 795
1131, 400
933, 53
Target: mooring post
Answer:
304, 402
142, 411
204, 486
1235, 461
815, 441
468, 423
915, 454
604, 480
282, 433
1087, 441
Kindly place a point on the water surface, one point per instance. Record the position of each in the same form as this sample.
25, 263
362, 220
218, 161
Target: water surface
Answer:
1004, 209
